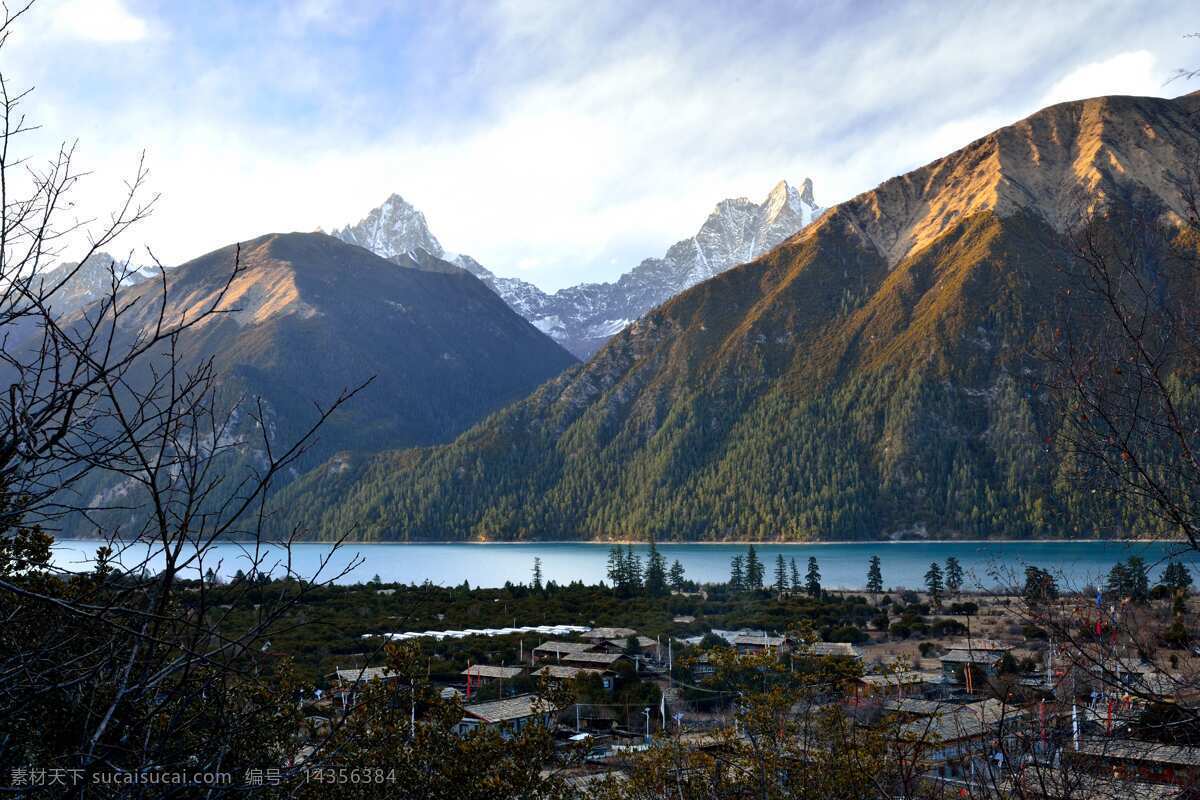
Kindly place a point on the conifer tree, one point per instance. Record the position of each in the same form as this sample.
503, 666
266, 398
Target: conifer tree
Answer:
781, 574
737, 575
874, 576
616, 563
656, 572
633, 570
933, 582
754, 569
795, 576
1118, 581
1176, 578
1040, 586
537, 573
812, 580
677, 576
954, 575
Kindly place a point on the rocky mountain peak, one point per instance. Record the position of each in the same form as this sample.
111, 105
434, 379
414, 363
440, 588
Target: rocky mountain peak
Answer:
1060, 164
582, 317
86, 283
393, 229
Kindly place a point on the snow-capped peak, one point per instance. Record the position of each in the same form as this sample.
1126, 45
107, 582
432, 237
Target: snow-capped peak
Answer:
582, 317
394, 228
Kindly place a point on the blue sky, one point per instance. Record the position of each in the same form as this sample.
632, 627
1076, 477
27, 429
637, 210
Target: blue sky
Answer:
556, 141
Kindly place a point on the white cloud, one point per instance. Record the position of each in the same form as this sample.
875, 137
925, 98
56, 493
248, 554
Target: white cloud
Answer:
564, 142
106, 21
1132, 73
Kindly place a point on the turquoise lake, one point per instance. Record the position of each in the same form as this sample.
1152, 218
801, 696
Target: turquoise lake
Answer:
842, 565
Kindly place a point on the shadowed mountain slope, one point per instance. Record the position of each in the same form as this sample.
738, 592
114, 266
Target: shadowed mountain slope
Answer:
308, 316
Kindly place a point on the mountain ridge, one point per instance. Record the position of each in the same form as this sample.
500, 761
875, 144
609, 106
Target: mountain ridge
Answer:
584, 316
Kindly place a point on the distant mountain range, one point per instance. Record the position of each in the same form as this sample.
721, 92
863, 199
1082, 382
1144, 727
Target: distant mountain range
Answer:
870, 377
583, 317
85, 284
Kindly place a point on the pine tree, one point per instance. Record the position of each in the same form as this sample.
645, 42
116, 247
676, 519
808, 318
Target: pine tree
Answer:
795, 576
537, 573
754, 569
1139, 579
677, 576
874, 576
1130, 579
1118, 581
1040, 586
812, 580
737, 576
616, 567
1176, 578
954, 575
781, 574
656, 572
933, 583
633, 570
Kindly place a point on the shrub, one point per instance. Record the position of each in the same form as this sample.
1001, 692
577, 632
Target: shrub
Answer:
847, 633
948, 627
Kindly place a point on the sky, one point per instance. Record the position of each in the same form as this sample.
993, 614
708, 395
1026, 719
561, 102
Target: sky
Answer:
555, 141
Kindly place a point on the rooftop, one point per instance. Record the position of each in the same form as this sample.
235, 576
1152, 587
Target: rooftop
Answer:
643, 641
604, 659
906, 678
364, 674
832, 649
973, 657
563, 647
978, 645
488, 671
1137, 750
565, 671
962, 722
610, 633
915, 705
519, 707
760, 641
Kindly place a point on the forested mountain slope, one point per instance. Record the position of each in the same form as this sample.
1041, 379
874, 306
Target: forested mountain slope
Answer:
309, 316
872, 375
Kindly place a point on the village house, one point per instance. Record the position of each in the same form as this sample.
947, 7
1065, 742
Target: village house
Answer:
831, 650
346, 684
1134, 760
508, 716
959, 741
557, 651
966, 667
592, 660
913, 708
556, 673
484, 674
702, 667
894, 684
646, 647
751, 644
480, 675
